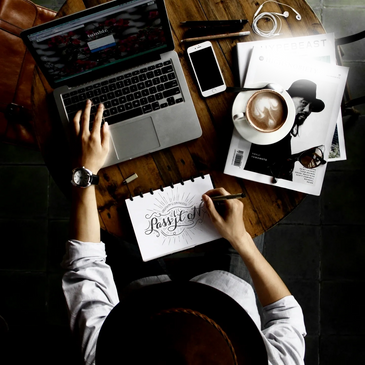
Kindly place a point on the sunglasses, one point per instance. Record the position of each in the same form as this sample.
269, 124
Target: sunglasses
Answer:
310, 159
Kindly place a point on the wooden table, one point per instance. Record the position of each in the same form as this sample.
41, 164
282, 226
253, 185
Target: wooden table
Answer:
265, 205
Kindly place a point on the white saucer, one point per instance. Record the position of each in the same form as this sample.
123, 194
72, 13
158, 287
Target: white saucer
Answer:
251, 134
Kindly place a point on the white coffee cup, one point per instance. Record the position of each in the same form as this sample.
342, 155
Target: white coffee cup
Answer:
266, 111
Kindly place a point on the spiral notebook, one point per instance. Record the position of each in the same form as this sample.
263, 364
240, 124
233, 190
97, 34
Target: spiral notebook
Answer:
172, 219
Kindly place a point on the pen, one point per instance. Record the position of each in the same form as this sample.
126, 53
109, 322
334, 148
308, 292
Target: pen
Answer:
204, 31
226, 197
217, 36
212, 23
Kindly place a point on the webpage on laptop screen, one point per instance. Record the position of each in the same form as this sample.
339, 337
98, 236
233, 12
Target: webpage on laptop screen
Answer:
85, 44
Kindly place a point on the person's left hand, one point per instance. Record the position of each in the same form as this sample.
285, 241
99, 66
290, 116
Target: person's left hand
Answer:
90, 148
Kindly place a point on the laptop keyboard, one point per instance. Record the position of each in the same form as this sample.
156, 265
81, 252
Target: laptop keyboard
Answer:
129, 95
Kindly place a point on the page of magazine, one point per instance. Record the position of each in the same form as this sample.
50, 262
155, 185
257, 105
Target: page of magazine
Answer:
320, 47
324, 85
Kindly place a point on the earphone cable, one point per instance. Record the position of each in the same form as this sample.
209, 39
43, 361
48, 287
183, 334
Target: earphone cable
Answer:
274, 17
267, 33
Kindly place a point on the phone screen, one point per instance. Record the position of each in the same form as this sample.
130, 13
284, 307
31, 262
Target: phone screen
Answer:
206, 68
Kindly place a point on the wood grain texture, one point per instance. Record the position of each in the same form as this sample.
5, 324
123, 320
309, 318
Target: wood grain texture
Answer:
265, 205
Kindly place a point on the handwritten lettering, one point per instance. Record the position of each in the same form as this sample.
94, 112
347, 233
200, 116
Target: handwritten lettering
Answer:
174, 221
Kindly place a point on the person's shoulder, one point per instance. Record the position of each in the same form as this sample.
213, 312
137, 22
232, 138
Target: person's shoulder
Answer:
284, 315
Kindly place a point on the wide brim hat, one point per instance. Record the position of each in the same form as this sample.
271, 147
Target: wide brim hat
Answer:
179, 323
307, 89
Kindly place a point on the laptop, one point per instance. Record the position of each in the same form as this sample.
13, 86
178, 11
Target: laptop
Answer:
120, 54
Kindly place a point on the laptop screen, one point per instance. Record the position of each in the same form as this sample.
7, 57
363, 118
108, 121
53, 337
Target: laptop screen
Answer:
108, 36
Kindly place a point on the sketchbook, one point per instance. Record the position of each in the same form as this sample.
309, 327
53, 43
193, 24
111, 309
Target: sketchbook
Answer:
172, 219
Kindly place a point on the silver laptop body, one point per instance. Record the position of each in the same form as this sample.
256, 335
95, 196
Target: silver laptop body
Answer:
120, 54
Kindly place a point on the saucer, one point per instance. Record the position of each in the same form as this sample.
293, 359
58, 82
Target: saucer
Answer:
251, 134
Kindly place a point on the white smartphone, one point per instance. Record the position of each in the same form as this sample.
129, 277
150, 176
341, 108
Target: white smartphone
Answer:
206, 69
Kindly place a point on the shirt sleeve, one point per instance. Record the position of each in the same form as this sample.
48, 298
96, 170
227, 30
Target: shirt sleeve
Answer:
89, 290
284, 332
282, 323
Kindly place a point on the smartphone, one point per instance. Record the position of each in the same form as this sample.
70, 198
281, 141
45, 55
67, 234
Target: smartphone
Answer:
206, 69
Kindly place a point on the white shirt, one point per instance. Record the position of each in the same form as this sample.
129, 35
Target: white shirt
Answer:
91, 294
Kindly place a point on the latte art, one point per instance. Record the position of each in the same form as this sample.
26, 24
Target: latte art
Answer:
266, 111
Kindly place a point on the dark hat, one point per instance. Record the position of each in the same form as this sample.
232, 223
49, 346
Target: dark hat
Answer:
307, 89
179, 323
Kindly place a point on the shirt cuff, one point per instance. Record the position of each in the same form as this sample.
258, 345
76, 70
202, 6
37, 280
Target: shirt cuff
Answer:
77, 251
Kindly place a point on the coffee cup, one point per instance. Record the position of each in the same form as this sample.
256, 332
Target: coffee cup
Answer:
266, 111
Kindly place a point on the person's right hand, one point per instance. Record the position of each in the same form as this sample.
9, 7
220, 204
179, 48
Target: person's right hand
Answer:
90, 148
230, 223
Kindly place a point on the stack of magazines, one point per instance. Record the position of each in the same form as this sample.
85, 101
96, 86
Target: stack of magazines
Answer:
306, 69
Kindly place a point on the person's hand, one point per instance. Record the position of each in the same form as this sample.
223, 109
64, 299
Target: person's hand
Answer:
90, 148
230, 222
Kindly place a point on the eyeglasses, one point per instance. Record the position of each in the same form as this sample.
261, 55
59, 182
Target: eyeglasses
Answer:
310, 159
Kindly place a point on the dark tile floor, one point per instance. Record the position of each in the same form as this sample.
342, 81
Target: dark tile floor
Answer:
318, 249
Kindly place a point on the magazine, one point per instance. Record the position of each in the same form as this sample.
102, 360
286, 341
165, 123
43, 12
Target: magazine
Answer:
281, 163
320, 47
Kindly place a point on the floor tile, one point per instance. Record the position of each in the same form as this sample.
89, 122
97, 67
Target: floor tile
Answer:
307, 212
43, 345
59, 203
60, 341
15, 155
341, 308
26, 244
57, 236
50, 4
343, 198
355, 82
307, 293
24, 191
23, 298
314, 3
343, 4
339, 350
343, 21
343, 253
293, 251
311, 350
355, 146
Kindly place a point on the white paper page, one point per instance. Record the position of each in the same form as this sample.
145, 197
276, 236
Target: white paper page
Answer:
304, 180
319, 46
172, 220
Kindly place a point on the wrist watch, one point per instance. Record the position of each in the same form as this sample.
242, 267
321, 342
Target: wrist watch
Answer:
83, 178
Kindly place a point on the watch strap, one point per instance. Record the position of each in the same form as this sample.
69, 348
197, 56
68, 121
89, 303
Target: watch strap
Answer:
94, 180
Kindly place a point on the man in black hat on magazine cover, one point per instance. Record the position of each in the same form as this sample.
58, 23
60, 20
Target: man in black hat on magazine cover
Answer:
212, 318
277, 159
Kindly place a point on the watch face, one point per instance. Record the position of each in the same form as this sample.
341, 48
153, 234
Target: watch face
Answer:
81, 178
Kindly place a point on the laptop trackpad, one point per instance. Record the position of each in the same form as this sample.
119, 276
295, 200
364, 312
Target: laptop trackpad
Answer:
134, 138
